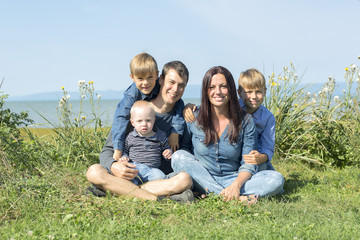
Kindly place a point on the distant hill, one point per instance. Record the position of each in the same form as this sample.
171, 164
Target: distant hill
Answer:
191, 92
55, 96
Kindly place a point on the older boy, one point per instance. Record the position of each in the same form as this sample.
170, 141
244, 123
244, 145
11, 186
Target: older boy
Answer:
144, 73
252, 90
145, 145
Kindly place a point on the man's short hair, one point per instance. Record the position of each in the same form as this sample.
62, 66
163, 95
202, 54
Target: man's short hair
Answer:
178, 67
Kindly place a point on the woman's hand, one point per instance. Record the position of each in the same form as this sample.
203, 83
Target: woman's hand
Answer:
117, 154
188, 112
124, 170
167, 154
173, 141
232, 192
255, 158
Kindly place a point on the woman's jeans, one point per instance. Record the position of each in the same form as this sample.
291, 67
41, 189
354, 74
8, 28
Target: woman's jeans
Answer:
265, 183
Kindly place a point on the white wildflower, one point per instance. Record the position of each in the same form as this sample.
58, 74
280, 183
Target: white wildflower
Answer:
295, 76
68, 96
331, 77
325, 89
99, 96
308, 94
350, 102
83, 96
62, 102
30, 233
313, 101
81, 82
358, 80
336, 98
343, 91
353, 67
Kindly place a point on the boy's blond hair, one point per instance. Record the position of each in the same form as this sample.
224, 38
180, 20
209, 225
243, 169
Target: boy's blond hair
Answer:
142, 104
252, 78
142, 65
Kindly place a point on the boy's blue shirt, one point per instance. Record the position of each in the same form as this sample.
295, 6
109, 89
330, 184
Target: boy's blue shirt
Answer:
265, 129
122, 113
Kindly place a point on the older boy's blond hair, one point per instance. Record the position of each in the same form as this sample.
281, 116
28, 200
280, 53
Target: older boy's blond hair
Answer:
252, 78
141, 105
142, 65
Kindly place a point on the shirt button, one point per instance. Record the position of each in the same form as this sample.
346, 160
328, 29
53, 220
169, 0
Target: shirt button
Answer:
218, 166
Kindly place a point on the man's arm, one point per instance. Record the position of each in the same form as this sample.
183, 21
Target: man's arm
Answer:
119, 169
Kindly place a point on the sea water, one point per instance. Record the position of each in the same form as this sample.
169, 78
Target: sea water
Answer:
43, 112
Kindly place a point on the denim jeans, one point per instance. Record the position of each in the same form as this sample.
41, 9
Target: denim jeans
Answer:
265, 183
147, 174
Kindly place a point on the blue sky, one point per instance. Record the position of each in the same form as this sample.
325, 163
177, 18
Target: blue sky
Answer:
47, 44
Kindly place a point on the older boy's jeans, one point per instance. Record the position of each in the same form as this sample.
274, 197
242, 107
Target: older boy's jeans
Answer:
264, 183
147, 174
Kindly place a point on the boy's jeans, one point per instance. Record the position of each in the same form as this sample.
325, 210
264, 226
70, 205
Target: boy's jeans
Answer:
264, 183
146, 174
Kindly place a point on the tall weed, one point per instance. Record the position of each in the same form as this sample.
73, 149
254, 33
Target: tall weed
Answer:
317, 127
79, 136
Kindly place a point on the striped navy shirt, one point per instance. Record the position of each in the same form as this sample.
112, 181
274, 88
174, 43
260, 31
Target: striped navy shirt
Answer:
146, 150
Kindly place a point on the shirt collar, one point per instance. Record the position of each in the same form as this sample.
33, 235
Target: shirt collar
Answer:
255, 114
134, 133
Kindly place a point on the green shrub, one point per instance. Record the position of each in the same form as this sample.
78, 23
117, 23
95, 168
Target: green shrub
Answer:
318, 128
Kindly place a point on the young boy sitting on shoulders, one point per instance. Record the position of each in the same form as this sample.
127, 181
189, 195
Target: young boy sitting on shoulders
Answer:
144, 73
145, 146
252, 90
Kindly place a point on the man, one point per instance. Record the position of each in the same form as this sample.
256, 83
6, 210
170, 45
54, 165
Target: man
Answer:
116, 176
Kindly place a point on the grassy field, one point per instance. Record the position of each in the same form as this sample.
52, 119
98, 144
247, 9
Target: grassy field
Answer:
317, 204
42, 176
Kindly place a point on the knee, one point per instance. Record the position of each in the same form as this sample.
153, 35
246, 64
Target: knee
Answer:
94, 174
178, 158
184, 179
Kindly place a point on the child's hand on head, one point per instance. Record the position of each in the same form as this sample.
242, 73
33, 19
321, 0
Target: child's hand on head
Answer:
117, 154
255, 158
167, 154
188, 112
124, 159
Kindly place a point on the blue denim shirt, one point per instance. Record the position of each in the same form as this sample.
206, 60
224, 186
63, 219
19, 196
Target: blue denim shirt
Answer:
265, 130
223, 157
122, 114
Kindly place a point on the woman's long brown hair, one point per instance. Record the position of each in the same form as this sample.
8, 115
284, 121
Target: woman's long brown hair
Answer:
236, 114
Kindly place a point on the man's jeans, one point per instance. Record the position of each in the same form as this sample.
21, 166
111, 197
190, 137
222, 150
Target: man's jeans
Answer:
265, 183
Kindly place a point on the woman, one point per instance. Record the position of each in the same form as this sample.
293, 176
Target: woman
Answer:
213, 145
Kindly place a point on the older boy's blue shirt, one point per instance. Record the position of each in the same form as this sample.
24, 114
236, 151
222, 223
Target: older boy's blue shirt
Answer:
122, 113
265, 128
223, 157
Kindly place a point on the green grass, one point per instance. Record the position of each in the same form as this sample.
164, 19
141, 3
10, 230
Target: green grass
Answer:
317, 204
42, 179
